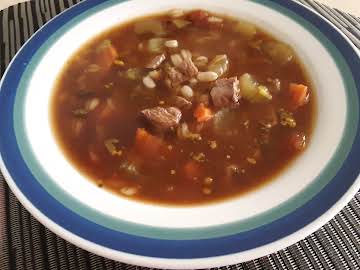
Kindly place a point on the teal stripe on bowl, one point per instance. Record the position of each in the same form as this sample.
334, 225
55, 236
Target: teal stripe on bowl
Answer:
190, 233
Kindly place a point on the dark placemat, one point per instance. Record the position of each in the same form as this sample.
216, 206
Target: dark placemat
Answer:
26, 244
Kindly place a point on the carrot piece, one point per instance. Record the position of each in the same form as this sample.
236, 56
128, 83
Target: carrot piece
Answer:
299, 95
199, 17
202, 113
147, 144
106, 54
192, 170
105, 113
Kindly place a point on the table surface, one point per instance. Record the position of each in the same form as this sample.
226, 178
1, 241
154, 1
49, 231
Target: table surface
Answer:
352, 6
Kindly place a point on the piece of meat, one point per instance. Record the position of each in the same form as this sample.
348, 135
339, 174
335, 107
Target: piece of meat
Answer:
156, 61
184, 71
174, 77
162, 118
226, 92
181, 102
188, 68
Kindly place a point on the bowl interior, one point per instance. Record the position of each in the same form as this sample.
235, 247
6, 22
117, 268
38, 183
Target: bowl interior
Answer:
59, 177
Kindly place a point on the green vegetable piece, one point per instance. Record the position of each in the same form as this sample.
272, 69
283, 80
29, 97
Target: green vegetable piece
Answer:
156, 45
278, 52
247, 30
252, 91
248, 86
262, 95
181, 23
219, 65
103, 45
149, 26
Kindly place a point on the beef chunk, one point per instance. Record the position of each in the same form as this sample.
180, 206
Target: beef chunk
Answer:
181, 102
225, 92
174, 77
156, 61
183, 71
162, 118
188, 68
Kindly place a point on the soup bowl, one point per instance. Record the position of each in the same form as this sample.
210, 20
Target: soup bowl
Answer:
297, 202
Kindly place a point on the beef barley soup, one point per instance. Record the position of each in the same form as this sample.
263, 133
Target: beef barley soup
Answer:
183, 107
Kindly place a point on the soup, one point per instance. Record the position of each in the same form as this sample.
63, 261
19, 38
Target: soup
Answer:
182, 108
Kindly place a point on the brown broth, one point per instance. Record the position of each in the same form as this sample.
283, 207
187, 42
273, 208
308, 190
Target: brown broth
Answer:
161, 177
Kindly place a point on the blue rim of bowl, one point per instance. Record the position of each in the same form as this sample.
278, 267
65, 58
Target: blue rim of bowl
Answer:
166, 243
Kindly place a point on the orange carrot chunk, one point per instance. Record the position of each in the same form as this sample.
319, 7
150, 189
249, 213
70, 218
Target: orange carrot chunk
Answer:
199, 17
192, 170
106, 54
299, 95
147, 144
202, 113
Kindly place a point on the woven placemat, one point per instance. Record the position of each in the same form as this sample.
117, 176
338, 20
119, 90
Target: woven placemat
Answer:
26, 244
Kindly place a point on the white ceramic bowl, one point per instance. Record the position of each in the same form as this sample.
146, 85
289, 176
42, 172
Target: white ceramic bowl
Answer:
300, 200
